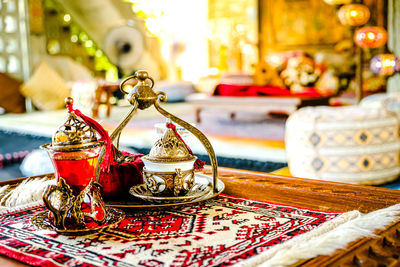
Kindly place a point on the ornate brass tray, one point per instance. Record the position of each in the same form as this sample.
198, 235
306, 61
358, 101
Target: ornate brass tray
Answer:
203, 181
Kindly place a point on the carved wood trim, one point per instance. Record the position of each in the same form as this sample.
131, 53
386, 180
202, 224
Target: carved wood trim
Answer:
383, 250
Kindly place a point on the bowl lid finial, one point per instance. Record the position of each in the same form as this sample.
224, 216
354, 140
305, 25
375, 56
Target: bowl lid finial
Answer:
169, 148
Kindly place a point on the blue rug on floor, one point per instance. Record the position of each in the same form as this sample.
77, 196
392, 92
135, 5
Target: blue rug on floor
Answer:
236, 163
392, 185
11, 142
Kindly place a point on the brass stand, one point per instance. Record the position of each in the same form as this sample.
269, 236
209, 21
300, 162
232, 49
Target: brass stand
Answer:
142, 97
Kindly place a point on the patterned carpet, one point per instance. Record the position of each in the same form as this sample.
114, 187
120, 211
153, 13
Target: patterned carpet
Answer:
222, 232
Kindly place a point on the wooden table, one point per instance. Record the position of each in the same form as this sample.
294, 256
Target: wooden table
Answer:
105, 90
383, 250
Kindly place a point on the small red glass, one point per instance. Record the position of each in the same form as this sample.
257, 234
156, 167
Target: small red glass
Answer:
77, 168
75, 202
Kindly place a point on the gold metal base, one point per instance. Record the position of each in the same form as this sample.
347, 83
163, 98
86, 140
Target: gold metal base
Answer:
138, 203
113, 217
141, 191
168, 184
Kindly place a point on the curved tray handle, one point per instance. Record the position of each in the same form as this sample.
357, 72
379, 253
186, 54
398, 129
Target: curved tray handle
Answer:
141, 97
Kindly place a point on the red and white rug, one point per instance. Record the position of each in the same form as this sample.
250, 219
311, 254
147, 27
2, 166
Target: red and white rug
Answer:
223, 232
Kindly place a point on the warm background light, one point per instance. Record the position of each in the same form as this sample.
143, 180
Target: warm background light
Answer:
181, 27
385, 64
337, 2
354, 14
199, 36
371, 37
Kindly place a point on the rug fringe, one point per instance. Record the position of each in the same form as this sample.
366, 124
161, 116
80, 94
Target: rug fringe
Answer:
26, 194
327, 238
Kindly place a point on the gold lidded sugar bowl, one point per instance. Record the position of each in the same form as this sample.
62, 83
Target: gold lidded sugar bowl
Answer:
169, 167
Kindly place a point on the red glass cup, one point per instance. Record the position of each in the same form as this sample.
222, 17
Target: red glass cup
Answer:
75, 171
77, 168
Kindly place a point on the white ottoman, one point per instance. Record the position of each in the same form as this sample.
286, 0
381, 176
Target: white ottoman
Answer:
349, 144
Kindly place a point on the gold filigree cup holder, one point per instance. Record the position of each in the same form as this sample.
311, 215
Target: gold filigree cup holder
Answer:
142, 97
113, 217
73, 215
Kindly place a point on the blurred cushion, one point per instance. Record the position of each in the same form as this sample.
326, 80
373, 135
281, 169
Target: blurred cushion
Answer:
68, 69
11, 100
373, 101
328, 83
267, 75
46, 88
386, 101
36, 163
391, 103
236, 78
349, 144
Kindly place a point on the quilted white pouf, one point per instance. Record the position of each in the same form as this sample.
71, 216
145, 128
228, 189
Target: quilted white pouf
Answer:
349, 144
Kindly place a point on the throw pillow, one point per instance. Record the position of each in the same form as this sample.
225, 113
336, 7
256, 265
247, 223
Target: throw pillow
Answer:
46, 88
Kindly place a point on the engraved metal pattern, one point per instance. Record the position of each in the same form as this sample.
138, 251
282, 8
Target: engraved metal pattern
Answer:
91, 193
169, 184
188, 181
67, 209
59, 199
169, 148
154, 184
142, 92
198, 190
73, 135
73, 132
